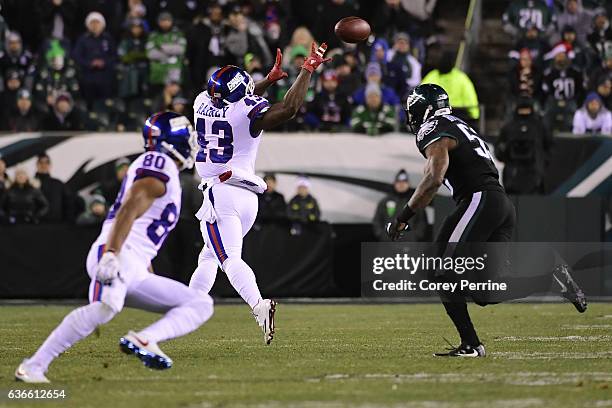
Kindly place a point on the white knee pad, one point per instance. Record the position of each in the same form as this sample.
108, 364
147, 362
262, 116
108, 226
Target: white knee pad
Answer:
235, 264
198, 310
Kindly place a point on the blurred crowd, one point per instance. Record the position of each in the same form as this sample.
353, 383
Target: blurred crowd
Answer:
562, 62
106, 64
560, 80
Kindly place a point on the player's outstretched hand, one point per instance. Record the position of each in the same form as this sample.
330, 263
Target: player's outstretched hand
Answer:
277, 71
316, 57
108, 267
396, 228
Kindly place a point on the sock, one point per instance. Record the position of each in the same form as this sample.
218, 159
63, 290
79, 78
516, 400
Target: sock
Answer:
77, 325
242, 278
204, 276
180, 320
458, 313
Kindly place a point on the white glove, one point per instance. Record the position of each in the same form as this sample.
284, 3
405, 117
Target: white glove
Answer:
108, 267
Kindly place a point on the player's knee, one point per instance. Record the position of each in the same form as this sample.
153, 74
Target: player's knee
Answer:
234, 263
200, 309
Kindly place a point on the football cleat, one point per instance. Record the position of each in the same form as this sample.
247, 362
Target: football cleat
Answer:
464, 350
148, 352
264, 316
569, 288
30, 373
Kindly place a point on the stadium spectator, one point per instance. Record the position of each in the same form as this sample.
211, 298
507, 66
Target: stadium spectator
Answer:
534, 42
182, 10
137, 9
303, 207
574, 15
523, 146
134, 64
59, 18
59, 197
602, 72
205, 46
329, 111
5, 181
253, 65
244, 36
272, 206
330, 12
23, 117
166, 51
23, 203
163, 101
113, 12
349, 78
95, 55
373, 75
180, 104
562, 87
600, 39
57, 76
62, 116
525, 78
422, 10
12, 84
393, 202
604, 90
404, 70
376, 117
300, 40
460, 89
110, 188
577, 53
521, 13
593, 117
95, 214
15, 57
391, 18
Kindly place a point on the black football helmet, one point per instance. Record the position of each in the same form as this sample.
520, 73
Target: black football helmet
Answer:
424, 101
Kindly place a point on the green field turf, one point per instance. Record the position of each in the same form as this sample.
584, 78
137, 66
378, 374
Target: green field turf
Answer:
540, 355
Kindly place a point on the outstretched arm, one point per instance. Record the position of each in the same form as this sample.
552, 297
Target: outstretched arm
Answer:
435, 169
274, 75
291, 103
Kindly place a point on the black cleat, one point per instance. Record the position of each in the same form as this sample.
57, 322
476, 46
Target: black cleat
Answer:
569, 288
463, 350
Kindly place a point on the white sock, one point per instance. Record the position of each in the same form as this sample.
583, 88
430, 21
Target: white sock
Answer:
77, 325
180, 320
242, 278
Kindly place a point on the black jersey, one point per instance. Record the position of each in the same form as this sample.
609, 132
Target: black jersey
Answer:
471, 166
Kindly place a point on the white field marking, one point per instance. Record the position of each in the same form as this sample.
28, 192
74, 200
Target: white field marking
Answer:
598, 404
519, 355
605, 317
499, 403
554, 338
518, 378
586, 326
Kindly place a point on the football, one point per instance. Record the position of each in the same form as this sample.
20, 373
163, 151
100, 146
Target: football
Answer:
352, 29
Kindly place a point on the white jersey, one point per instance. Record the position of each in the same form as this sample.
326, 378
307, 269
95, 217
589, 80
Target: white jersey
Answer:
150, 229
226, 139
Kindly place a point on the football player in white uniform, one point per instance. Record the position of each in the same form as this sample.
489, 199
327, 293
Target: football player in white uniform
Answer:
145, 211
230, 117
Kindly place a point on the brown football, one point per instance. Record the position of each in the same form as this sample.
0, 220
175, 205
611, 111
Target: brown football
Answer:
352, 29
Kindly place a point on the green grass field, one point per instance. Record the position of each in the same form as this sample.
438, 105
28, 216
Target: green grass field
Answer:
540, 355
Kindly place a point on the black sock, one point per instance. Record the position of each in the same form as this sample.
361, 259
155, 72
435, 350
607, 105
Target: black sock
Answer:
458, 313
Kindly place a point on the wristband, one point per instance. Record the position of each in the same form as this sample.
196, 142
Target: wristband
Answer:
406, 214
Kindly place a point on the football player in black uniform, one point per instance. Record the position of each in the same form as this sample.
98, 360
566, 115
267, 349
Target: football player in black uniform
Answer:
458, 158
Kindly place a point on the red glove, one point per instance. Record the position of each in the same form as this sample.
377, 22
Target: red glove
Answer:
316, 57
277, 71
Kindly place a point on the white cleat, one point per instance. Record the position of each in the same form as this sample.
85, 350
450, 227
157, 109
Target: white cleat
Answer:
147, 351
30, 373
264, 316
